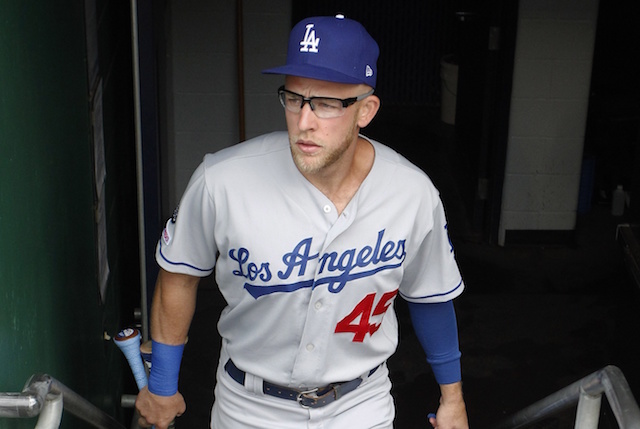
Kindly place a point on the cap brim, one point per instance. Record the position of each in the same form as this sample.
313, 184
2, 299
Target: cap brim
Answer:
314, 72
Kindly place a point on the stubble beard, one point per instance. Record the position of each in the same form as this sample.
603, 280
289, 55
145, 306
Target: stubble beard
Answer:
317, 163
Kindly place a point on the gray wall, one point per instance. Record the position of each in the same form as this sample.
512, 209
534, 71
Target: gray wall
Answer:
550, 97
202, 81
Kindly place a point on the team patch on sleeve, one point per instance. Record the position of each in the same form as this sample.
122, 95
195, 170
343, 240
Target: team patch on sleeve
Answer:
166, 232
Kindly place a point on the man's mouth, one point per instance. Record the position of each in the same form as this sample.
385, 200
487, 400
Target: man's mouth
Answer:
307, 147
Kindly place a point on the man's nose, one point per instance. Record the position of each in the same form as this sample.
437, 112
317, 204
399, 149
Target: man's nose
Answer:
307, 117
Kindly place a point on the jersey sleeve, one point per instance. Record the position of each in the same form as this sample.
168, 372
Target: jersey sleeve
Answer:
436, 327
187, 244
432, 275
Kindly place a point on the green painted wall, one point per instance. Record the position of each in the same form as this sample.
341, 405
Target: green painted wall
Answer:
51, 317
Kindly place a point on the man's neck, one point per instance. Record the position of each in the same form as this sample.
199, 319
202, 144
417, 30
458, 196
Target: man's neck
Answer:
341, 182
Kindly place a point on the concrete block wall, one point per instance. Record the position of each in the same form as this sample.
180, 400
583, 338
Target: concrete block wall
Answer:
552, 74
202, 80
266, 34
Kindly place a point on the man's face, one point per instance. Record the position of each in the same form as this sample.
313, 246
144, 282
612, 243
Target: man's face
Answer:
318, 144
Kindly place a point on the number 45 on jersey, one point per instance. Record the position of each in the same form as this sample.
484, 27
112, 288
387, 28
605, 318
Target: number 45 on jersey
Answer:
358, 322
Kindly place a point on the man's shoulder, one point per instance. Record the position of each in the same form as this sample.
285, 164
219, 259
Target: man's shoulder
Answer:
257, 147
390, 158
392, 169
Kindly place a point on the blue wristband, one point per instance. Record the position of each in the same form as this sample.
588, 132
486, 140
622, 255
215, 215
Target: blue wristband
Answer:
165, 368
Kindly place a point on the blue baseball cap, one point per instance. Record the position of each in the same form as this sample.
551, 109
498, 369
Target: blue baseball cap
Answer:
333, 49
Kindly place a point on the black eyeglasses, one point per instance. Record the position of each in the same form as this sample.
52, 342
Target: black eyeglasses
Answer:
323, 107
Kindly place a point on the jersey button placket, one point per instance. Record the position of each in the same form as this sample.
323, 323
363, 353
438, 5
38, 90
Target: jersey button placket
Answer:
318, 306
312, 344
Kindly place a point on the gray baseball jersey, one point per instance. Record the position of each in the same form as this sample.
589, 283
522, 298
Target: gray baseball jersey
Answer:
310, 292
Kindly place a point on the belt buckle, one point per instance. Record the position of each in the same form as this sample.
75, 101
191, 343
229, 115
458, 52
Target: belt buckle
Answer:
305, 400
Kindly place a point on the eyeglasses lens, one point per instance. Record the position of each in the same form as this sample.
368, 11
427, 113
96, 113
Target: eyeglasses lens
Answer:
323, 107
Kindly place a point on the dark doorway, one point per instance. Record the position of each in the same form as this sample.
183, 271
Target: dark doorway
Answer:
612, 140
464, 159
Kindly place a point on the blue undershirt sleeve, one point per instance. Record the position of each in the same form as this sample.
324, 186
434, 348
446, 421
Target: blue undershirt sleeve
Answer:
436, 327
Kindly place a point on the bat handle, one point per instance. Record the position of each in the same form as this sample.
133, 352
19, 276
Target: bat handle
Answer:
128, 340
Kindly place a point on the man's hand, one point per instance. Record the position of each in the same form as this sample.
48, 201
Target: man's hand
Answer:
159, 411
452, 412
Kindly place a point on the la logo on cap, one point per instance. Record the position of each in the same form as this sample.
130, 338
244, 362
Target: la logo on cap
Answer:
310, 42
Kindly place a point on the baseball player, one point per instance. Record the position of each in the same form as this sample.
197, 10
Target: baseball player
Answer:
313, 234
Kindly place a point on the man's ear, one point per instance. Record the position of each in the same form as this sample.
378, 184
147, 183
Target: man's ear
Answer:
368, 109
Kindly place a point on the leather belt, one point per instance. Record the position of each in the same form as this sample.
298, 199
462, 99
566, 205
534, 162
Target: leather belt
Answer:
310, 398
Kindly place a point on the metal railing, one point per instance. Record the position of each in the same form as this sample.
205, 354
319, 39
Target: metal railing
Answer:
587, 394
44, 396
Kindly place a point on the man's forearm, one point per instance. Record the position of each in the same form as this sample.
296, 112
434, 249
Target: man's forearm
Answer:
437, 330
174, 304
451, 393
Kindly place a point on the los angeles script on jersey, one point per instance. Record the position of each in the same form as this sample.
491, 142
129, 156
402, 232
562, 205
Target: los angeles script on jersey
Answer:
334, 269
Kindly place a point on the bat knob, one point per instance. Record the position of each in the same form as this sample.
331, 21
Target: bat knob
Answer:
127, 334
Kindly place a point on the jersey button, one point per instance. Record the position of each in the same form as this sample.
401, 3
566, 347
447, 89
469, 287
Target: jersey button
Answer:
310, 347
318, 305
327, 208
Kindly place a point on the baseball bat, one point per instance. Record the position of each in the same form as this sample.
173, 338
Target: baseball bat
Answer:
128, 340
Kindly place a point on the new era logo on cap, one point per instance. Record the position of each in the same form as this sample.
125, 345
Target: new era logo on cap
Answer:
334, 49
